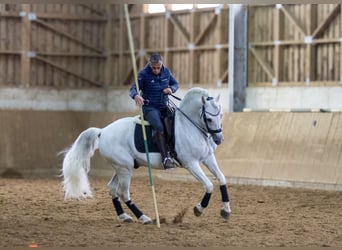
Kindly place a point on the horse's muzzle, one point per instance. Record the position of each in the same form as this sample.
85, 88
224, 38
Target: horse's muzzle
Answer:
218, 138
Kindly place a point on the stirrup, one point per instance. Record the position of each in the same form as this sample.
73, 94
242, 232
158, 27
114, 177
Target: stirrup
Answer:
168, 163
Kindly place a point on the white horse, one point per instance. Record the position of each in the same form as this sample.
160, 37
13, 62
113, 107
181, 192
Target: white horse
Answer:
198, 131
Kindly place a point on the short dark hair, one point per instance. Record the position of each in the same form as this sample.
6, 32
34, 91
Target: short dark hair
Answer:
156, 58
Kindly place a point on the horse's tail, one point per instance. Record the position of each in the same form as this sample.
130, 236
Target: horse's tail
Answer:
76, 164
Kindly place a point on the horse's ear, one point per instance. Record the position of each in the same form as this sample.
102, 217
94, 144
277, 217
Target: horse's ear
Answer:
218, 97
203, 99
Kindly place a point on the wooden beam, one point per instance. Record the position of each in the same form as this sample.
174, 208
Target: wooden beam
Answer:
70, 17
193, 62
166, 37
218, 53
310, 55
205, 30
326, 22
25, 46
67, 54
142, 61
130, 71
309, 63
294, 42
92, 9
70, 37
124, 35
10, 14
176, 49
224, 75
108, 45
278, 50
340, 80
68, 71
267, 68
180, 27
10, 52
293, 19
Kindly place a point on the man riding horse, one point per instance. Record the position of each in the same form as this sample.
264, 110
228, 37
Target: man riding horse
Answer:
156, 82
198, 118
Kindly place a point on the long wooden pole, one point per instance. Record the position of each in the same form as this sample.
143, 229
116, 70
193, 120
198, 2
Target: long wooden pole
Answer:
130, 37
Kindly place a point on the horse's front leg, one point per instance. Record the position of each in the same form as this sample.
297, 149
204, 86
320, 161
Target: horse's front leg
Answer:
225, 210
213, 167
198, 173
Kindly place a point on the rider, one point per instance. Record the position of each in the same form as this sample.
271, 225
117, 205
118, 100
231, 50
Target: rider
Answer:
155, 82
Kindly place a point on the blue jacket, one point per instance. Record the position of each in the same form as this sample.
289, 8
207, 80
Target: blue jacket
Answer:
151, 86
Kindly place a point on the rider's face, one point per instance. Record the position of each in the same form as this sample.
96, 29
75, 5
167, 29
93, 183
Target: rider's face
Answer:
156, 67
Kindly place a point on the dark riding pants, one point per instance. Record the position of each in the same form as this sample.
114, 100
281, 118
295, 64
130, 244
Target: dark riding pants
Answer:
154, 117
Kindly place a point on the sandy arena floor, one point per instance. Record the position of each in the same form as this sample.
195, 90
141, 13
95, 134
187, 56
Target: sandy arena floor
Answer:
34, 211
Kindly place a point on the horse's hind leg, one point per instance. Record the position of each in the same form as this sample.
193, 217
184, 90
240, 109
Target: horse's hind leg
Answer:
113, 187
123, 184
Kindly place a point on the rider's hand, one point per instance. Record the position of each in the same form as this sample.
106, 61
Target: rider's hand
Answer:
167, 91
139, 100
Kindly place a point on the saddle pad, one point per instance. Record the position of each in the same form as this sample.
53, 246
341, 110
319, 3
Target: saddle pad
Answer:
139, 139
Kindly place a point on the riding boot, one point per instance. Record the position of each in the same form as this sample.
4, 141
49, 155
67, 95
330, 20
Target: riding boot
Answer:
168, 123
161, 143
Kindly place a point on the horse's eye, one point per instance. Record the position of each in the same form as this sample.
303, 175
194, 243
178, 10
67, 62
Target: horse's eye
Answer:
209, 120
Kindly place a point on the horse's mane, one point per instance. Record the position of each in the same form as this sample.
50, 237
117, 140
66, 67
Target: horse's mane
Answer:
194, 97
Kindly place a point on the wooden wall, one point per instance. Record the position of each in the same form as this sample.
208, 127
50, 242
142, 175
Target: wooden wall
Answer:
52, 45
295, 44
84, 46
194, 43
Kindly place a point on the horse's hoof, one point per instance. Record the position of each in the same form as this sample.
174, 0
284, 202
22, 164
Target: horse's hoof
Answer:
125, 218
197, 212
225, 214
145, 220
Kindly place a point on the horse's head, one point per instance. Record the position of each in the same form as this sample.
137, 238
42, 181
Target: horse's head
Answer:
204, 112
212, 117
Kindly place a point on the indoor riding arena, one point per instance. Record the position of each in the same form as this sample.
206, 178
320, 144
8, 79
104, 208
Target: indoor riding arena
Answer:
278, 69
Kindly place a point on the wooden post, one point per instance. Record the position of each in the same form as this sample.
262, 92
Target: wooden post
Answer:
167, 36
310, 57
121, 66
25, 45
108, 47
142, 46
191, 47
340, 51
219, 69
278, 51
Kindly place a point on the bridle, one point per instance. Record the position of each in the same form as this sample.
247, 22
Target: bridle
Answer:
204, 112
207, 131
